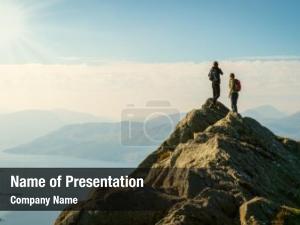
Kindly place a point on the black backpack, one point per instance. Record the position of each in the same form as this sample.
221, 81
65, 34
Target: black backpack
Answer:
213, 74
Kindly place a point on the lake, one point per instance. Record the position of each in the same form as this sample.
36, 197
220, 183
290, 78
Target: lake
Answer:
20, 160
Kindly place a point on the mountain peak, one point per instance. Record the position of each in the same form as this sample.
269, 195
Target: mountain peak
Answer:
216, 168
195, 121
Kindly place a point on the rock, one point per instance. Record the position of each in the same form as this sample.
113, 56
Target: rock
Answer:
213, 207
260, 211
109, 209
290, 144
216, 168
195, 121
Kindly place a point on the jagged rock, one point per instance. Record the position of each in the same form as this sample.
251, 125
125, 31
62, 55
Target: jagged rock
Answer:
195, 121
210, 171
117, 201
260, 211
290, 144
210, 207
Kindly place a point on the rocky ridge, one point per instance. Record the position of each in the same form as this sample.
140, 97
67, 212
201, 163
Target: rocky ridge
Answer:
216, 168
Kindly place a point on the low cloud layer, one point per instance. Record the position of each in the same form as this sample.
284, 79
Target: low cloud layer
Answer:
105, 89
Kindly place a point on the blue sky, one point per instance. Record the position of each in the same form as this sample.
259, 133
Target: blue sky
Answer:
158, 30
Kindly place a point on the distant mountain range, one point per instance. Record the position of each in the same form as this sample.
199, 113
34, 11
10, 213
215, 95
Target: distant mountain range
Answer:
264, 112
111, 140
105, 141
287, 126
23, 126
279, 122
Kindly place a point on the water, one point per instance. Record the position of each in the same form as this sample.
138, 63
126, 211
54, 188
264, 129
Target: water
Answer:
28, 218
20, 160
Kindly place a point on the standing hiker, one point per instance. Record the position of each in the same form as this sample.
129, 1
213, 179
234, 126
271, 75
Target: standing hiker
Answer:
234, 88
214, 77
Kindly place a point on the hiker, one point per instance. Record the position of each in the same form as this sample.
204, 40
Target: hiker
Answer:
214, 77
234, 88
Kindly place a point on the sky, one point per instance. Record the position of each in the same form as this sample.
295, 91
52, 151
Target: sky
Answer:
99, 55
151, 31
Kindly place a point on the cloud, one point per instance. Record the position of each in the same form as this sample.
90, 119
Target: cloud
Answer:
106, 88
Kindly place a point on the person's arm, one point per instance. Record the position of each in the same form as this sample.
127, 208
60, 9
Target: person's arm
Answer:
221, 72
209, 73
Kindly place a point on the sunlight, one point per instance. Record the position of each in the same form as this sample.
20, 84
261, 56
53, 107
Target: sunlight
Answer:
19, 36
12, 22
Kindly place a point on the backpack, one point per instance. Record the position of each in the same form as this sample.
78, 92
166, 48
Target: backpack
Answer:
213, 74
237, 85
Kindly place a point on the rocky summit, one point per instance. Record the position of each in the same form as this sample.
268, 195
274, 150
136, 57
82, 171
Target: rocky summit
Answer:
216, 168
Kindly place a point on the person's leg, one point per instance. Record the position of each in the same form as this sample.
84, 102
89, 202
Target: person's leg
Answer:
214, 92
232, 102
234, 97
218, 91
236, 100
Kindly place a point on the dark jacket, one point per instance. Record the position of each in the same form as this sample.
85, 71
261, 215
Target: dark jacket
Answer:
215, 73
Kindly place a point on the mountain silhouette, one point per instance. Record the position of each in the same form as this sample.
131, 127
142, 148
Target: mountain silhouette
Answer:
99, 140
264, 113
23, 126
216, 168
286, 126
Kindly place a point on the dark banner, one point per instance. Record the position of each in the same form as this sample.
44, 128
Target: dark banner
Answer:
53, 189
59, 188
